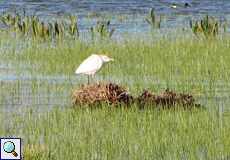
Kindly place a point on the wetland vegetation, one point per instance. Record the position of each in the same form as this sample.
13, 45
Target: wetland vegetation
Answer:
38, 78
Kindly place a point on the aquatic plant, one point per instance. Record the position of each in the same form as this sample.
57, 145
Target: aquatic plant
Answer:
30, 26
102, 31
225, 25
206, 27
153, 24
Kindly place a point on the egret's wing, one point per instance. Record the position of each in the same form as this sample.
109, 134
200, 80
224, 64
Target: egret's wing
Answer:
90, 66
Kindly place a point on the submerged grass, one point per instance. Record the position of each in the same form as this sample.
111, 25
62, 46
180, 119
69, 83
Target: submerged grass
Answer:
45, 72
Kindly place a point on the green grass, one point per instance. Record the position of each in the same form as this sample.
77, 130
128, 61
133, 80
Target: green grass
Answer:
120, 134
38, 99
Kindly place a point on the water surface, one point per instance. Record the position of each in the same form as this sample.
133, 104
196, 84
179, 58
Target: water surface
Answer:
134, 10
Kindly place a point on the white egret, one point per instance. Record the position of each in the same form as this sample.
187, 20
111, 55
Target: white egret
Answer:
93, 64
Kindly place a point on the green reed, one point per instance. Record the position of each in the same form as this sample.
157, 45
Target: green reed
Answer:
206, 27
153, 22
30, 25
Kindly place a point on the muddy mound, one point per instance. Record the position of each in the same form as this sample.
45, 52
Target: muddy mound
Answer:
167, 99
101, 92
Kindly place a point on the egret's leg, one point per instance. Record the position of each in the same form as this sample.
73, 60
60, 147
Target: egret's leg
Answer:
92, 78
88, 79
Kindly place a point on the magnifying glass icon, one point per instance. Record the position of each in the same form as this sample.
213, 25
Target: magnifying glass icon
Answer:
9, 147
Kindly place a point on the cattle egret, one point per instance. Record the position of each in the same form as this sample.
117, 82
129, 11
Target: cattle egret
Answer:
92, 65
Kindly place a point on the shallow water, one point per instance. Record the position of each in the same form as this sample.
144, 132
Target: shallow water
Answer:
83, 7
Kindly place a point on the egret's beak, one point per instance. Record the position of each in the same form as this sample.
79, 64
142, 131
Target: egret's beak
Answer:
111, 59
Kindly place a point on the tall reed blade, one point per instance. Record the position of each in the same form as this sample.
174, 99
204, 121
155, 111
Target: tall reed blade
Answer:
102, 30
93, 31
9, 17
57, 32
77, 30
111, 32
4, 15
64, 25
17, 15
3, 21
98, 28
225, 26
24, 13
108, 23
153, 17
147, 21
47, 31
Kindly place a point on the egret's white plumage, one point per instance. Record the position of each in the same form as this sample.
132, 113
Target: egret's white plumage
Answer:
93, 64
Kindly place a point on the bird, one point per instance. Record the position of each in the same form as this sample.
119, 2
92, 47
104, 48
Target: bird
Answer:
92, 64
179, 6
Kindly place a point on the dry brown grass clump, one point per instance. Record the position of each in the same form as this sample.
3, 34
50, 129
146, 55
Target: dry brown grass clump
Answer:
167, 99
101, 92
95, 94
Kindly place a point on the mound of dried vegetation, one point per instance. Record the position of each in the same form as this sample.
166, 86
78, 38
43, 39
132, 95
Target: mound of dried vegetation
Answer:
101, 92
167, 99
106, 92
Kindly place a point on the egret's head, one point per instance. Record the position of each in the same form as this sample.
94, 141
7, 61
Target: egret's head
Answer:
105, 58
